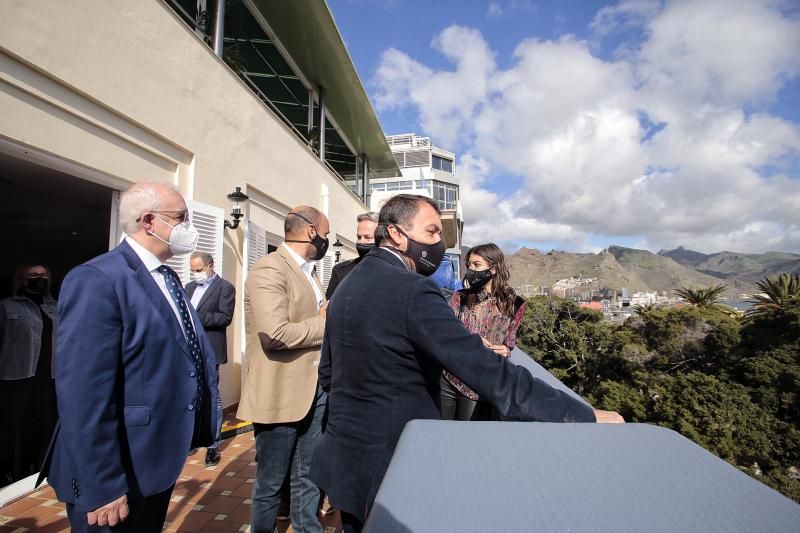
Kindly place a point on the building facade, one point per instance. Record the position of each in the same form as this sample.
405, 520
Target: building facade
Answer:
207, 95
428, 170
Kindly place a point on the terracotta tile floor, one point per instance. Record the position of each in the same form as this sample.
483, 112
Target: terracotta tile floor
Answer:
205, 499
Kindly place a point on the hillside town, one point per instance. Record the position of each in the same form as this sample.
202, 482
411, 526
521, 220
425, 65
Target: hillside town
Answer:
616, 304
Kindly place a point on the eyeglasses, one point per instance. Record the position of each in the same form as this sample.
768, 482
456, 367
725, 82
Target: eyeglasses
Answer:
183, 216
36, 276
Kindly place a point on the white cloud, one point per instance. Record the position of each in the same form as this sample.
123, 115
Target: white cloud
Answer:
625, 14
578, 129
719, 52
446, 100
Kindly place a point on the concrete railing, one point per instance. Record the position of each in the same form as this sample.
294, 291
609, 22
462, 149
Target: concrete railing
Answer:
516, 476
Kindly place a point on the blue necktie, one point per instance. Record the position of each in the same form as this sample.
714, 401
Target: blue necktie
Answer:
176, 292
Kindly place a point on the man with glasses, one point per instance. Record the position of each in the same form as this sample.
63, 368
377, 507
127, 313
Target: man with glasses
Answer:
285, 317
135, 376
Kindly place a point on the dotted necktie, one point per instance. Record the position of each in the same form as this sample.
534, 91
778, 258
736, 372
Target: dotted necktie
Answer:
176, 292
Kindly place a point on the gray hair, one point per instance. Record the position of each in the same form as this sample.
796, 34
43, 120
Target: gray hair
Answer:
139, 198
371, 216
206, 257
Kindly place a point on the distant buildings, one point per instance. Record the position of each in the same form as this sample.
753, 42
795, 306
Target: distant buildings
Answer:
430, 171
590, 293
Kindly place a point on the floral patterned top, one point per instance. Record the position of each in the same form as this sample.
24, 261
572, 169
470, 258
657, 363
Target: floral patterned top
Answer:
485, 319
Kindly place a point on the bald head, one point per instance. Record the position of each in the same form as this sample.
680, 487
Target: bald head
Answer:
306, 229
299, 218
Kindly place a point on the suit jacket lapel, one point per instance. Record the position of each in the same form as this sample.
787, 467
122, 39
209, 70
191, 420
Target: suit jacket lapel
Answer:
299, 272
213, 288
156, 297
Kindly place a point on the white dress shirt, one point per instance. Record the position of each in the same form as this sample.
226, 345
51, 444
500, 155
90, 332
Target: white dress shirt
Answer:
201, 289
151, 263
396, 254
308, 268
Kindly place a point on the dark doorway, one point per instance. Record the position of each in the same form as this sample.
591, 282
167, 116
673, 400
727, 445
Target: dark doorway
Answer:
48, 218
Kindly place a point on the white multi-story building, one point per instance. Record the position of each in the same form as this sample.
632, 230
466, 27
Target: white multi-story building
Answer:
428, 170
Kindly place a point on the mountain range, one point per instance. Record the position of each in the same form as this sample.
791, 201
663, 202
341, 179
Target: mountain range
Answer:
642, 270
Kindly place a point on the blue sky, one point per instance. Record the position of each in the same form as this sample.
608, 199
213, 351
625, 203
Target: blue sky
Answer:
582, 124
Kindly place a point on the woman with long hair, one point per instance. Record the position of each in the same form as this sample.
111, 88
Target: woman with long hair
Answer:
488, 306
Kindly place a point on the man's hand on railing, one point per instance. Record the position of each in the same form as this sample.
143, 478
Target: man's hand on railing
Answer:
608, 417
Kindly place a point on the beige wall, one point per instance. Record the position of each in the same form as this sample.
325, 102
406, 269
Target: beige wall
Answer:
126, 92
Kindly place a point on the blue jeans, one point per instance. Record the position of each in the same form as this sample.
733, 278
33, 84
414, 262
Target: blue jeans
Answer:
218, 433
282, 449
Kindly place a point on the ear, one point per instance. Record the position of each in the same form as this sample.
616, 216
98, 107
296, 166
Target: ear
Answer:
493, 270
394, 234
148, 221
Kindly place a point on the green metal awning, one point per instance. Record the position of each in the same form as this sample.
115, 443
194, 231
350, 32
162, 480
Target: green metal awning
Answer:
307, 31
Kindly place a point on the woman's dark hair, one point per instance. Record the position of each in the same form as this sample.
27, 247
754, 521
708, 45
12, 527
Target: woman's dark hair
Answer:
18, 281
501, 290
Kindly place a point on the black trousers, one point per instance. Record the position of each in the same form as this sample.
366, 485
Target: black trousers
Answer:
452, 404
147, 515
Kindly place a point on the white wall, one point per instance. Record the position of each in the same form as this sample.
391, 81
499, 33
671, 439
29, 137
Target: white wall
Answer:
127, 92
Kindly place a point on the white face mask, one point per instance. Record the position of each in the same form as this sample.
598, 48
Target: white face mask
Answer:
182, 239
200, 277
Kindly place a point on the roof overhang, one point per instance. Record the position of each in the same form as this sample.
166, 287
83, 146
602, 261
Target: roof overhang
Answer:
308, 33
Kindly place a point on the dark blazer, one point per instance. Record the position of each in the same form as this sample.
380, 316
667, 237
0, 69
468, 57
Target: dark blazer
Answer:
338, 274
126, 386
388, 334
215, 309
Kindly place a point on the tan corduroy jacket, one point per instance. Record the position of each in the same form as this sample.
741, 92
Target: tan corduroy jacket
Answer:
284, 335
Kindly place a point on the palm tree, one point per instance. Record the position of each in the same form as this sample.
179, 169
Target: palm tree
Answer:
706, 298
643, 309
777, 294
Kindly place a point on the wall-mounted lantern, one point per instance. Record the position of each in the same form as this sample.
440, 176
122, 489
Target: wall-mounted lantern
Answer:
236, 198
338, 245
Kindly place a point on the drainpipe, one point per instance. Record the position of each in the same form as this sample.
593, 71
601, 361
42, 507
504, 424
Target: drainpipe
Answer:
218, 35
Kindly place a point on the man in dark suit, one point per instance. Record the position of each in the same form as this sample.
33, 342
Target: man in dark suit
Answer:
388, 334
365, 241
214, 300
135, 373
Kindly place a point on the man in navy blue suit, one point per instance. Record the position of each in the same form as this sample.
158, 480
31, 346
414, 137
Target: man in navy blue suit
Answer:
388, 334
135, 373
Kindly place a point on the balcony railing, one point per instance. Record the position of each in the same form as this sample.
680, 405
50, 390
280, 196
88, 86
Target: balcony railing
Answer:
409, 139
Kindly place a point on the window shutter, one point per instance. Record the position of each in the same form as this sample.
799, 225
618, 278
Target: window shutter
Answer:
256, 243
324, 270
180, 264
209, 222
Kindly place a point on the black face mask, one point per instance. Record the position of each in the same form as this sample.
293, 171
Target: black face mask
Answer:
363, 249
475, 280
426, 257
318, 242
36, 285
